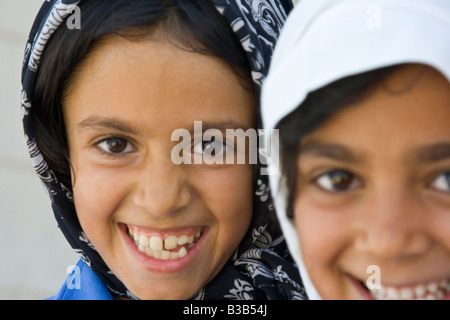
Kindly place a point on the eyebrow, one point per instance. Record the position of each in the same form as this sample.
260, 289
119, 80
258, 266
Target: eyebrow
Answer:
94, 123
425, 154
328, 150
432, 153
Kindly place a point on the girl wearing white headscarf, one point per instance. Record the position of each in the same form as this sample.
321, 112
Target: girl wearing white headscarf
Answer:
360, 93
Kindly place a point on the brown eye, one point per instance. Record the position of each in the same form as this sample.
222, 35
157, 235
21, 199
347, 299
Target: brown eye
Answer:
337, 181
115, 146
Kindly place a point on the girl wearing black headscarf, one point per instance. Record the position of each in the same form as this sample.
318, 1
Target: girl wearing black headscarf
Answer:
105, 86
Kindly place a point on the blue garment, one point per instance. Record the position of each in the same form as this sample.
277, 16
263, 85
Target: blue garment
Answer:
83, 284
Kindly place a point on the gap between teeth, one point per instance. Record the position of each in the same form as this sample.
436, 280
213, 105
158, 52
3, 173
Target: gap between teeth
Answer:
154, 246
430, 291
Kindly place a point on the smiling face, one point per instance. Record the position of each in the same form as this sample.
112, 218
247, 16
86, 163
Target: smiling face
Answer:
164, 230
373, 189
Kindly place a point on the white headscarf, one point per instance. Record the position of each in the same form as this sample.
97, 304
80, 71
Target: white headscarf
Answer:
326, 40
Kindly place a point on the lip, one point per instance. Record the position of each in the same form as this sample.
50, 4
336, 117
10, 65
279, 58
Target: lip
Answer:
362, 291
164, 266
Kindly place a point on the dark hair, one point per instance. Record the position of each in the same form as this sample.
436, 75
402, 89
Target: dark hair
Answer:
318, 106
191, 25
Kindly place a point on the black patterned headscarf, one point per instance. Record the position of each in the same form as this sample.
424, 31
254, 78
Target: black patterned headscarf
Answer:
261, 267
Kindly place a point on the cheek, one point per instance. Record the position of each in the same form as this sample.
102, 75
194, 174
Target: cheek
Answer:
323, 240
228, 193
97, 193
438, 225
321, 230
227, 189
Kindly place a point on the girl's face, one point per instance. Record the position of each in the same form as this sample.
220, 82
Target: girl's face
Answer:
165, 230
373, 202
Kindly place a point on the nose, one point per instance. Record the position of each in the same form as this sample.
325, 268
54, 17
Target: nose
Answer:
162, 189
393, 225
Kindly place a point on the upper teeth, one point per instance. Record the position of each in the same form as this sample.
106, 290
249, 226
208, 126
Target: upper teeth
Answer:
158, 248
429, 291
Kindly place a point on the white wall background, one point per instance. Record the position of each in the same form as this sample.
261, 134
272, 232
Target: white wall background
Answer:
34, 254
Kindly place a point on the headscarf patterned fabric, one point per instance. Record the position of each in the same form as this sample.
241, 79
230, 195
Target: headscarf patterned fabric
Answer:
261, 268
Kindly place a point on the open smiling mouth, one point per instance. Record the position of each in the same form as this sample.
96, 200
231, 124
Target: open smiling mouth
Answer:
167, 246
435, 290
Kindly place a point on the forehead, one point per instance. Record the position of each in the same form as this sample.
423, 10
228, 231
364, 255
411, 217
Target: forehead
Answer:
156, 82
411, 107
